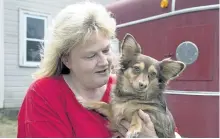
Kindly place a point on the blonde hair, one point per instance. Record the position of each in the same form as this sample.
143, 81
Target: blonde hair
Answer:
73, 26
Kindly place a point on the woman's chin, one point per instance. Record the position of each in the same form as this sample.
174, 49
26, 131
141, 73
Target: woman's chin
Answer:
100, 81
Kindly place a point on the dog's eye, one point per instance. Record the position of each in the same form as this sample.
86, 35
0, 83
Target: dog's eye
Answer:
152, 74
136, 69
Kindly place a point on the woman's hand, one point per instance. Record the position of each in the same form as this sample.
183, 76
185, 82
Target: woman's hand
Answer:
147, 128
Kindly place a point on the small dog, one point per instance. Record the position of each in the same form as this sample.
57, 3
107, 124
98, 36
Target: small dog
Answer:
141, 81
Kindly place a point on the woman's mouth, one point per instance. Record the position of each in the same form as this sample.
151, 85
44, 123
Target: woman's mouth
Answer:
102, 71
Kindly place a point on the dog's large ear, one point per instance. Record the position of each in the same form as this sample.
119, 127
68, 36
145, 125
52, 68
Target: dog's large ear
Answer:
129, 47
171, 69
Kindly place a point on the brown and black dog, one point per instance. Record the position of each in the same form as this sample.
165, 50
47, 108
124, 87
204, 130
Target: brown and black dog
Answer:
141, 81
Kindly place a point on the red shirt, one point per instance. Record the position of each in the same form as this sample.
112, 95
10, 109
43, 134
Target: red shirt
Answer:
50, 109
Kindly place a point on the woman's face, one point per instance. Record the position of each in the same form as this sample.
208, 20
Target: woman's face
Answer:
91, 63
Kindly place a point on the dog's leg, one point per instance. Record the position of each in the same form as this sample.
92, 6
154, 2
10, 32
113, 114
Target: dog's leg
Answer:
135, 127
100, 107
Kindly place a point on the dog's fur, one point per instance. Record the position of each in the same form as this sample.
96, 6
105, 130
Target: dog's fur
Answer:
141, 81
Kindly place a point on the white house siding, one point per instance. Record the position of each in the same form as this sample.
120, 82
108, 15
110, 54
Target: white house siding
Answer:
1, 54
17, 79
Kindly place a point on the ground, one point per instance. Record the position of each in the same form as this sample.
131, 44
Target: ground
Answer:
8, 128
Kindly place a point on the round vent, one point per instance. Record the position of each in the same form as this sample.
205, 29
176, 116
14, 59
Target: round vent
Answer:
187, 52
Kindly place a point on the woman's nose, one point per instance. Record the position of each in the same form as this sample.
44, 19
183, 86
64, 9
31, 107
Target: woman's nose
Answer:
103, 60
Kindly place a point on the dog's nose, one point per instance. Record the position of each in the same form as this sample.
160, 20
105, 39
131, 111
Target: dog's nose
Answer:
142, 85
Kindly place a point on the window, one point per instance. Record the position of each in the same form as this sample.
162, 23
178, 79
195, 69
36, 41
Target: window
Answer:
31, 37
115, 46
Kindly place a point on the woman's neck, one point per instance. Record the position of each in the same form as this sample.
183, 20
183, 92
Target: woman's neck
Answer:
81, 90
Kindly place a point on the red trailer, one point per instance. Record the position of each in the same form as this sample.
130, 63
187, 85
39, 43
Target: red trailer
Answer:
187, 30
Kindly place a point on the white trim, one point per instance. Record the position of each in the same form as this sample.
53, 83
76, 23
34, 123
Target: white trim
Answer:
194, 93
23, 14
37, 40
2, 62
183, 11
173, 6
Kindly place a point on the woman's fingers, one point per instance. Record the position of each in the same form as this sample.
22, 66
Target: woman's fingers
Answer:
148, 128
126, 124
117, 135
145, 117
122, 130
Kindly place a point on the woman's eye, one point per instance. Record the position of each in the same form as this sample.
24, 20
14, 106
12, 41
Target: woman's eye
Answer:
106, 51
91, 56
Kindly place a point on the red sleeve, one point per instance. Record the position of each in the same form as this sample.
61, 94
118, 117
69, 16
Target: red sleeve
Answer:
111, 82
37, 119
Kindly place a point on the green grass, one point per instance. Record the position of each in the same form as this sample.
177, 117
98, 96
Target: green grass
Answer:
8, 128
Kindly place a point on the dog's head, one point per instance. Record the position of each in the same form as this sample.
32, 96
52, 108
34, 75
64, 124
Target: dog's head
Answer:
144, 75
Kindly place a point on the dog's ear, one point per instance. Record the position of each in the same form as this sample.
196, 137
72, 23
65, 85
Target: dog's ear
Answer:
171, 69
129, 47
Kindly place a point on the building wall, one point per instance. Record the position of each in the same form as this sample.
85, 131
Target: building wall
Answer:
17, 79
1, 54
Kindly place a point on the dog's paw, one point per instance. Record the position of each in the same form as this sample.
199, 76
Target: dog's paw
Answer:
133, 134
87, 105
80, 99
83, 102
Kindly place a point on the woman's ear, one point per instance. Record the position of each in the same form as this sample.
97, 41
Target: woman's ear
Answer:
65, 60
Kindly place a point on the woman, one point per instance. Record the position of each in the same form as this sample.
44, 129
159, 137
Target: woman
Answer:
77, 61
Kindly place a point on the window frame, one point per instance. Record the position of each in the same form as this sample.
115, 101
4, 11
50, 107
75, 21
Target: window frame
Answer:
23, 15
115, 46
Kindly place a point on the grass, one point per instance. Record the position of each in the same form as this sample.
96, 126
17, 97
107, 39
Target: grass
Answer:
8, 128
